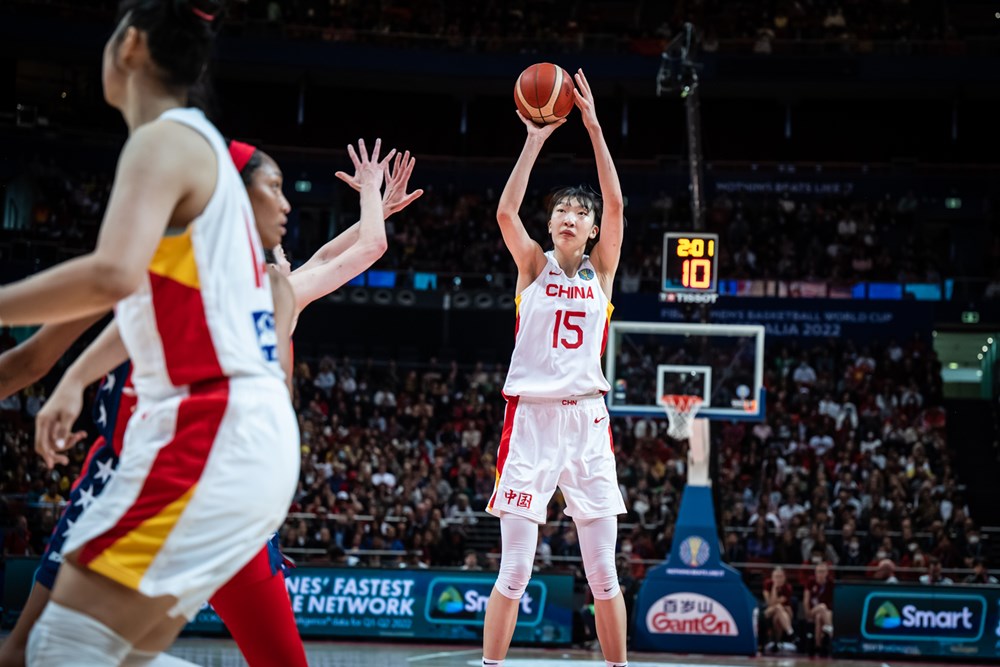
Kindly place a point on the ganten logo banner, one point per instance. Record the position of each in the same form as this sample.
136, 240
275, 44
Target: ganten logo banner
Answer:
690, 614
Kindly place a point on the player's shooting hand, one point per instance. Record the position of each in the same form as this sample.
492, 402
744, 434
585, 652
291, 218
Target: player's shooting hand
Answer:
535, 130
397, 179
584, 98
54, 423
367, 170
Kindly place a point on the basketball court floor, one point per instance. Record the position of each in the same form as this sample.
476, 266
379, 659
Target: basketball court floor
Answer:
223, 653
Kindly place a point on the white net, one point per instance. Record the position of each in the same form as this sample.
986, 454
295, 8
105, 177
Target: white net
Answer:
681, 411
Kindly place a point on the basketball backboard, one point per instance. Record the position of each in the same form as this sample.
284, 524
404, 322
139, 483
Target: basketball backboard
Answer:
721, 364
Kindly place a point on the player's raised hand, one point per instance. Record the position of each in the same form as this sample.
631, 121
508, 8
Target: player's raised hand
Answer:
584, 97
54, 423
367, 170
542, 132
397, 179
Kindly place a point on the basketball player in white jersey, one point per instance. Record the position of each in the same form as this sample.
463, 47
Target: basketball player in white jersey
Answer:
556, 430
179, 258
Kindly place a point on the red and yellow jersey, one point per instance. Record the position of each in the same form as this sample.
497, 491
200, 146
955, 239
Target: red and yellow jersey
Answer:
560, 334
204, 311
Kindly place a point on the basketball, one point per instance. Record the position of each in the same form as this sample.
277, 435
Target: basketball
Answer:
544, 93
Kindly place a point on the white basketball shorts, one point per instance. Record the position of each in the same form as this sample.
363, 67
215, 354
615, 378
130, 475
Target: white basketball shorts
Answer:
205, 478
556, 442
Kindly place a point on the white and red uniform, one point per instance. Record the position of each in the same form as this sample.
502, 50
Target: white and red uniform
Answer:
210, 461
556, 428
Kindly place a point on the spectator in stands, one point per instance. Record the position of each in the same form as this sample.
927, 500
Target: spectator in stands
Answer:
760, 545
471, 561
974, 546
819, 608
778, 608
933, 575
980, 575
17, 541
885, 572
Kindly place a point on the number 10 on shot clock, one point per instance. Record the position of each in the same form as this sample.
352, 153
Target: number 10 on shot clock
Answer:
690, 262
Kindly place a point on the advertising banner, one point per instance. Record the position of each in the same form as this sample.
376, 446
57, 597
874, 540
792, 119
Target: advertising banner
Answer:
447, 605
959, 622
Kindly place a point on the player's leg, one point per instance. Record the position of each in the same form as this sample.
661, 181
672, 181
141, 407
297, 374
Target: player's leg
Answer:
101, 459
527, 470
589, 483
92, 620
598, 538
149, 651
256, 609
518, 536
13, 648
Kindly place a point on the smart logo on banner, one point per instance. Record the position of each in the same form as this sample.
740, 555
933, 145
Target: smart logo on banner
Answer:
690, 614
924, 616
463, 600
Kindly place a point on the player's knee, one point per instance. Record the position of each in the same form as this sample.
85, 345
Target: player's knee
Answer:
63, 636
603, 579
515, 573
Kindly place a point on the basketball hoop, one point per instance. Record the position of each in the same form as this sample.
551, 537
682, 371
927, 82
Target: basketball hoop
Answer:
681, 411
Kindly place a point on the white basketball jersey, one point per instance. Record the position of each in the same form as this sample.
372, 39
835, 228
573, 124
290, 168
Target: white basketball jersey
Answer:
560, 334
204, 311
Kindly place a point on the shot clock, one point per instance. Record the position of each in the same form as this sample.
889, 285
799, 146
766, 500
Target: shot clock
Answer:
690, 263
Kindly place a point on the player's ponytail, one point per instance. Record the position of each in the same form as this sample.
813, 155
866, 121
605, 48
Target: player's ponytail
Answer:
180, 34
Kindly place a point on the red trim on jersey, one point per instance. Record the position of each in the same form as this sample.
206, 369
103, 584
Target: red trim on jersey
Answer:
604, 340
188, 349
258, 266
178, 465
127, 400
98, 443
508, 428
611, 438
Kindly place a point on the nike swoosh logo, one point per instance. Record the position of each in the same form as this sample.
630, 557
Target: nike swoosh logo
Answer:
555, 273
598, 421
608, 589
510, 588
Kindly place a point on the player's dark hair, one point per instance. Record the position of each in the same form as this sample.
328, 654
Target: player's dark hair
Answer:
179, 33
583, 194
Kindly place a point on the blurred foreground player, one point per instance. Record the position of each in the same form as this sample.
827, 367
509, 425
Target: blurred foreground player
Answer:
180, 260
556, 428
254, 604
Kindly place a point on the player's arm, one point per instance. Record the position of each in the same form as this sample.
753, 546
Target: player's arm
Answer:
311, 283
284, 316
526, 252
54, 423
162, 165
394, 200
30, 361
607, 251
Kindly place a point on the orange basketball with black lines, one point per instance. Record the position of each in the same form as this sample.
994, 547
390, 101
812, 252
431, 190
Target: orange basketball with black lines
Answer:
544, 93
